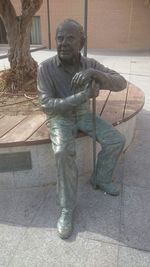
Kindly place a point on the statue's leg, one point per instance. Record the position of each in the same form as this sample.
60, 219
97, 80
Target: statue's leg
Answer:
112, 143
62, 131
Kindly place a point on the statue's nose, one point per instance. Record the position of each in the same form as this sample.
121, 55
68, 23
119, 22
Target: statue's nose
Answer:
64, 41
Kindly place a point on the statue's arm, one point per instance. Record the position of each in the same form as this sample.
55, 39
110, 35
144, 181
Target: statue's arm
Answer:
52, 105
106, 78
109, 79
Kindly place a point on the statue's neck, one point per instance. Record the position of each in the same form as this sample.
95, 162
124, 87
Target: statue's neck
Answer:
72, 66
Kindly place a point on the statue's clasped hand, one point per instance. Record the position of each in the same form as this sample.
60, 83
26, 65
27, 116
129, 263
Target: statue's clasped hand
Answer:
87, 80
92, 89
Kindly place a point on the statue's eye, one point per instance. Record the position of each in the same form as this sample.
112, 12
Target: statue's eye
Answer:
70, 38
59, 38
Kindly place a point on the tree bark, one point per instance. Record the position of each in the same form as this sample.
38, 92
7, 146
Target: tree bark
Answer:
23, 66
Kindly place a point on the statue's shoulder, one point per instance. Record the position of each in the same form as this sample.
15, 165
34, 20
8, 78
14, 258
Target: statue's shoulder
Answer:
90, 62
48, 63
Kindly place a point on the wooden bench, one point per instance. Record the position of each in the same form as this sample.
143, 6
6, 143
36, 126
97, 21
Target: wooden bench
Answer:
31, 129
27, 132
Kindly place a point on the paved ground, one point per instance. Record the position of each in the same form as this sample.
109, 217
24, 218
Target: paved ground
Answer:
109, 231
4, 49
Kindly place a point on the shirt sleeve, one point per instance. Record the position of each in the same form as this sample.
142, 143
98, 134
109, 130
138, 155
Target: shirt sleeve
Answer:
112, 80
49, 103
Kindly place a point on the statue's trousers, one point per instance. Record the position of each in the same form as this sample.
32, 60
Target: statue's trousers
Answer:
62, 130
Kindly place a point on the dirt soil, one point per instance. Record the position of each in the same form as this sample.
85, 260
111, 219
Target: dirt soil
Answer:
14, 102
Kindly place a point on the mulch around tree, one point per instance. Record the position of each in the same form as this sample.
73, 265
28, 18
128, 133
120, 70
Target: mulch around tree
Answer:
14, 102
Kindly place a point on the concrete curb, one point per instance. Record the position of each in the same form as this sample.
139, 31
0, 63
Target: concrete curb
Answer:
31, 50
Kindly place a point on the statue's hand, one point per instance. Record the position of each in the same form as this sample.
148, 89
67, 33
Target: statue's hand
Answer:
92, 89
83, 77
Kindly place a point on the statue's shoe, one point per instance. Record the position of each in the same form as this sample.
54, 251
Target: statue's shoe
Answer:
109, 188
65, 223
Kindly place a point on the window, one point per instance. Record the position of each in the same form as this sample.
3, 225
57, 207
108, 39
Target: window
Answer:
35, 31
35, 37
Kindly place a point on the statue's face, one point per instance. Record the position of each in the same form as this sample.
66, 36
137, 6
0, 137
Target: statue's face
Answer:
68, 41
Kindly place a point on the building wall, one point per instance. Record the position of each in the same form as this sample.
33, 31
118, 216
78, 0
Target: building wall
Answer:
112, 24
62, 9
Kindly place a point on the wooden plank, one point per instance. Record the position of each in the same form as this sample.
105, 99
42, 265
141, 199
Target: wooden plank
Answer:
100, 101
135, 101
9, 122
41, 135
25, 129
114, 109
1, 116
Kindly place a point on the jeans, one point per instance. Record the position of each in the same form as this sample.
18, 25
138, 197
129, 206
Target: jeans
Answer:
63, 130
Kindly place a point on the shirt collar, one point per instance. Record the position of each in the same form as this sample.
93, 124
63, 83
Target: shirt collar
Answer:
59, 63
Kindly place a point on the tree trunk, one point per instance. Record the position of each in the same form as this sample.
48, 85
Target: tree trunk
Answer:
22, 76
21, 62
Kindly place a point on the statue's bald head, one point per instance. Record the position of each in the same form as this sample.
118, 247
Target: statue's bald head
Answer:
74, 24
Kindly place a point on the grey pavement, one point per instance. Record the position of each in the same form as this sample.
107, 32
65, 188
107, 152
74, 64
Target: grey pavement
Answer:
109, 231
4, 49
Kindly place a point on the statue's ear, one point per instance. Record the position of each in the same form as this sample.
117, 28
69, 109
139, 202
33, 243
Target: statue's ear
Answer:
83, 40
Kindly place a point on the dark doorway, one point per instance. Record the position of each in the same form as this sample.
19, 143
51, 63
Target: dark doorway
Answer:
3, 35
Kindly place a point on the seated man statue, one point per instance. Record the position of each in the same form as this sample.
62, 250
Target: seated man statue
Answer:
66, 82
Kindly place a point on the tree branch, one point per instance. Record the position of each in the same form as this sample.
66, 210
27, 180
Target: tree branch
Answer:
29, 8
7, 13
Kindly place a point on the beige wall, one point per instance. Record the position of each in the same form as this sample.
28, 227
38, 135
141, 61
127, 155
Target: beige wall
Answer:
112, 24
62, 9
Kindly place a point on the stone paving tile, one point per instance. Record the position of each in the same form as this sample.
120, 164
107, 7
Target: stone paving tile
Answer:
129, 257
139, 64
147, 106
142, 136
42, 248
107, 61
98, 215
119, 171
4, 64
125, 75
6, 180
135, 218
10, 236
142, 82
137, 163
143, 121
49, 211
20, 206
122, 66
43, 54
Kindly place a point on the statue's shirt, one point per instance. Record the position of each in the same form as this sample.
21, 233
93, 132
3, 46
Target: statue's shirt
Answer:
54, 84
56, 78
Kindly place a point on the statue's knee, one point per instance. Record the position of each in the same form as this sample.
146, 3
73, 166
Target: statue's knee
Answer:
60, 152
63, 152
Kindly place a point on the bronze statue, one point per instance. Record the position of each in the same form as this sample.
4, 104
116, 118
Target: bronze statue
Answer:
66, 82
